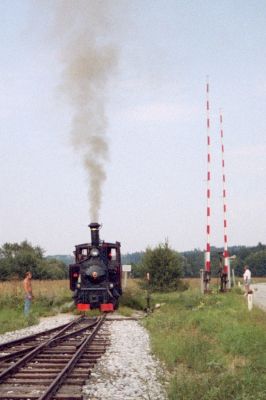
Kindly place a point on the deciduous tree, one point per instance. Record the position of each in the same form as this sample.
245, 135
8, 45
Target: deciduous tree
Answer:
165, 267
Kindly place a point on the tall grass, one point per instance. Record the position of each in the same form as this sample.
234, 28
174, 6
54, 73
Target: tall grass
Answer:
49, 296
14, 289
213, 347
133, 296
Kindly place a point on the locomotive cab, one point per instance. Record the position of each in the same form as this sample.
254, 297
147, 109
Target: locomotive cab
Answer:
95, 277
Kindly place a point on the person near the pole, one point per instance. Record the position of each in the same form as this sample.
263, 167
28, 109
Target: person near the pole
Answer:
247, 279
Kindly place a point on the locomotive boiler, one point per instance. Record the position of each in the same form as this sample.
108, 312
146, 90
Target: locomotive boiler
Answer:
95, 277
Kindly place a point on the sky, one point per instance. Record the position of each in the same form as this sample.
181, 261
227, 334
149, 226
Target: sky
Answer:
154, 107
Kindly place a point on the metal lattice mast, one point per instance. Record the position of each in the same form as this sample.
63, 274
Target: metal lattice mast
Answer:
226, 253
207, 267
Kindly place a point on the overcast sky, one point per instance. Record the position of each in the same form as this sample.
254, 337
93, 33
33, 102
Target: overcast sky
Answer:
154, 103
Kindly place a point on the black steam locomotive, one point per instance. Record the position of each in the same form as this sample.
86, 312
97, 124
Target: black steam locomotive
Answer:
95, 278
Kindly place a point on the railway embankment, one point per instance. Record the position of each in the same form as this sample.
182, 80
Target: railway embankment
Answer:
127, 370
213, 347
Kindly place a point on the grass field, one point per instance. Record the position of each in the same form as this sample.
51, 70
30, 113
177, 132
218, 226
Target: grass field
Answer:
212, 346
49, 296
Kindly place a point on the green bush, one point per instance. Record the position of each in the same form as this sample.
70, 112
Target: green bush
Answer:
134, 297
165, 267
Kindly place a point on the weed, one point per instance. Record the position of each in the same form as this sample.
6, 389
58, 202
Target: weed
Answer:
212, 345
125, 311
133, 296
49, 297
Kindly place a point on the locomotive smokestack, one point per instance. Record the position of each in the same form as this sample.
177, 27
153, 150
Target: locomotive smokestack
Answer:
95, 238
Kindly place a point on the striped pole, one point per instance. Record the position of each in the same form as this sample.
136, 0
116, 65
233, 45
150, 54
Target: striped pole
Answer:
207, 269
226, 253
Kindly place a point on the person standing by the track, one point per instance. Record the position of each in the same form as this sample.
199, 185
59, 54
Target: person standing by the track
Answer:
28, 292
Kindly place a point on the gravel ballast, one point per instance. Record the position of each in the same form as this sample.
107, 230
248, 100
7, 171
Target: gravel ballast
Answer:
127, 371
44, 324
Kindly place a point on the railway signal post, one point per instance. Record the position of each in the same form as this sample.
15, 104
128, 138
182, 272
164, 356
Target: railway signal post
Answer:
225, 273
206, 276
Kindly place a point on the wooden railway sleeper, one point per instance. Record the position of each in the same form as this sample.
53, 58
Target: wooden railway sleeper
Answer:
57, 383
18, 353
76, 374
51, 341
28, 338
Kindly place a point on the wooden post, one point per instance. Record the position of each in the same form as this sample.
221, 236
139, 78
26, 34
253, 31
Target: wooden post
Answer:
233, 277
250, 301
125, 269
148, 293
125, 279
202, 281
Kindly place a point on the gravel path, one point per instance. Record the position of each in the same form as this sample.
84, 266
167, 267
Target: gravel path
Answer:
127, 371
259, 298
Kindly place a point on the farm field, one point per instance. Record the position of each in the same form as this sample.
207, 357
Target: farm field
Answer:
49, 297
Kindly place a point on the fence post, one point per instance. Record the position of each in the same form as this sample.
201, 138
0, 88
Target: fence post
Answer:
250, 301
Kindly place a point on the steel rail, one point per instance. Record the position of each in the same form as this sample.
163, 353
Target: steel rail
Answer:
29, 356
59, 380
15, 354
74, 333
25, 339
18, 353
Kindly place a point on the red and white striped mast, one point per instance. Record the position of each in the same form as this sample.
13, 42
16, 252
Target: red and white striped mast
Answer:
207, 266
225, 273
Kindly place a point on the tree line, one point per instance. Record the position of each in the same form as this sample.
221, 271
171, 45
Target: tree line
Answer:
18, 258
165, 265
193, 260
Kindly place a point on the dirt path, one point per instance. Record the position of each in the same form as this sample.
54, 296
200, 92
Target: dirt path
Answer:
259, 295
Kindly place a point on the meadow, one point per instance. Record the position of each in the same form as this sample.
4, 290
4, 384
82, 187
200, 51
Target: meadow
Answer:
211, 346
49, 299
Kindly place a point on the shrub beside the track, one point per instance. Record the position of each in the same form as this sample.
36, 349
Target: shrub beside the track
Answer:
165, 267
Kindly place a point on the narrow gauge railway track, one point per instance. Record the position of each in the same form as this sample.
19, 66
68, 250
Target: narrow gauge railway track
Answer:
18, 347
57, 368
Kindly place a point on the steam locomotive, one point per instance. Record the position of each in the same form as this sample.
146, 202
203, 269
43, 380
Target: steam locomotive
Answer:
95, 277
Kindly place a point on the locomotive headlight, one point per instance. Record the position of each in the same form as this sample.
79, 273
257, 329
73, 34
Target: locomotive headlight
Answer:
94, 252
111, 285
